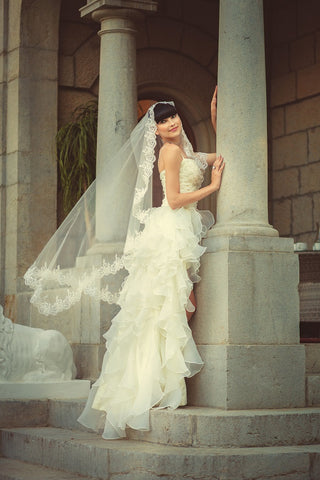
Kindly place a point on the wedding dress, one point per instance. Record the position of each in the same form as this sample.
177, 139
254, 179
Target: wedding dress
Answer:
150, 349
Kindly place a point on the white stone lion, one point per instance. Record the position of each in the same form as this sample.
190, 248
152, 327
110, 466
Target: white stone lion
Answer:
32, 354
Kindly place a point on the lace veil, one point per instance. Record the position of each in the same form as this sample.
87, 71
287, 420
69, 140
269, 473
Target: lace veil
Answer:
122, 196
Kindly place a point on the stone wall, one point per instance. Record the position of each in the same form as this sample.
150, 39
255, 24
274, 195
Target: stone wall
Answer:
294, 34
79, 47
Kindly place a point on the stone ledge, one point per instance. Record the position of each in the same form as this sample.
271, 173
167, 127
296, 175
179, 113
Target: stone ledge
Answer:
23, 413
16, 470
94, 5
88, 454
210, 427
63, 389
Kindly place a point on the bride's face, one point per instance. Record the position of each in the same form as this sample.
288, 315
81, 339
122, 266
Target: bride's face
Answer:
169, 128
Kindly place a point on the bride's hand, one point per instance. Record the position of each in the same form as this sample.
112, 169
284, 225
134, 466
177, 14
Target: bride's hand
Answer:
216, 174
214, 109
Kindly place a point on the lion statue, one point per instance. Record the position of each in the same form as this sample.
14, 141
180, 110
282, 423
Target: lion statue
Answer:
30, 354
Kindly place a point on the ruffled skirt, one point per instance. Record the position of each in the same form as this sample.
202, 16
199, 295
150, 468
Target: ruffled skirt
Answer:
150, 349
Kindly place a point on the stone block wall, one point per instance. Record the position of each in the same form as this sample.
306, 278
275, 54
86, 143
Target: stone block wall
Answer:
79, 50
294, 40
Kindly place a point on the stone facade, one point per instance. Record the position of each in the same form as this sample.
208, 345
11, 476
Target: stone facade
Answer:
49, 59
294, 42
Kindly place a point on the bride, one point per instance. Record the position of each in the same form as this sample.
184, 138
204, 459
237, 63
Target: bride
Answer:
149, 346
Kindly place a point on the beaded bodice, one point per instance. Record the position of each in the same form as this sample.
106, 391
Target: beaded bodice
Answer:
191, 178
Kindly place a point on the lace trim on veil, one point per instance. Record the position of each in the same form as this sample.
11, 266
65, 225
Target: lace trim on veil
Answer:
75, 280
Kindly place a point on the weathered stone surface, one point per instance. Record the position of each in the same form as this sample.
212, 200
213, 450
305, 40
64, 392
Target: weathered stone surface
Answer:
289, 151
164, 33
208, 427
318, 47
314, 144
12, 116
308, 81
64, 413
142, 39
87, 63
282, 217
44, 390
303, 115
87, 454
69, 100
286, 183
316, 210
23, 413
40, 22
283, 89
307, 18
15, 470
280, 60
277, 122
88, 360
66, 71
313, 390
313, 358
301, 214
233, 306
249, 376
205, 16
75, 34
13, 64
198, 45
283, 26
310, 175
302, 52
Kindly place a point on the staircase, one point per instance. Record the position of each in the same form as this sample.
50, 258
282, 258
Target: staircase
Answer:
44, 441
41, 439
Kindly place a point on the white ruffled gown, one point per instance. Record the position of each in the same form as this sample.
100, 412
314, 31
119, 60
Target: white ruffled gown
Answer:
150, 349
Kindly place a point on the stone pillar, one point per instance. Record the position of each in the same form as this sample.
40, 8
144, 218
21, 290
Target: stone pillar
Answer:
117, 87
116, 118
247, 322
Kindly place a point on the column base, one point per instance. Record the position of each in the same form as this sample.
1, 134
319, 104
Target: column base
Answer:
238, 377
247, 325
230, 229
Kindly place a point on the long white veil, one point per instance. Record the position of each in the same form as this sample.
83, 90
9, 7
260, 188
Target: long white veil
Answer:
126, 180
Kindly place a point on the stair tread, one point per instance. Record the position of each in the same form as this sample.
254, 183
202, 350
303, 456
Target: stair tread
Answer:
127, 445
11, 469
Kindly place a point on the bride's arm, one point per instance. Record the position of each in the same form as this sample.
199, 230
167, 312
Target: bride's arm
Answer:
172, 161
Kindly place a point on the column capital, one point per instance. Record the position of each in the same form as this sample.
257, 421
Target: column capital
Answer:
94, 6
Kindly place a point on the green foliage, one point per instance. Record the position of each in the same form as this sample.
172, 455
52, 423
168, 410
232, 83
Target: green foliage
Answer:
76, 145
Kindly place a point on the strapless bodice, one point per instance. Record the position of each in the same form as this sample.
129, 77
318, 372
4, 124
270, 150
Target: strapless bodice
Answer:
191, 178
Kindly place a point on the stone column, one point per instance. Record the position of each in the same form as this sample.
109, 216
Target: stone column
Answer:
116, 118
247, 322
117, 87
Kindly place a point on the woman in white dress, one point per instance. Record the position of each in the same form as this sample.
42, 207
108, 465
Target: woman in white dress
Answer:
149, 346
150, 349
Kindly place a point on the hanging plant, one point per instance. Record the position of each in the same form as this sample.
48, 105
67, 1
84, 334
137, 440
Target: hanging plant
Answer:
76, 145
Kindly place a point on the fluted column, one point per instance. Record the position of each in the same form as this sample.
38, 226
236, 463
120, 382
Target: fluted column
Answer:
242, 206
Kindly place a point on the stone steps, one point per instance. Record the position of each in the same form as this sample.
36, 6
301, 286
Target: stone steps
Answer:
87, 454
16, 470
210, 427
188, 443
187, 426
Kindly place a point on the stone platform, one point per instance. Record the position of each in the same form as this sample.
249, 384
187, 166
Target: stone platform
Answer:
189, 443
38, 390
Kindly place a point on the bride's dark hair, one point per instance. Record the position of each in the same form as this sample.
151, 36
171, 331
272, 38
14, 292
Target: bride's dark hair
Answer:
163, 110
